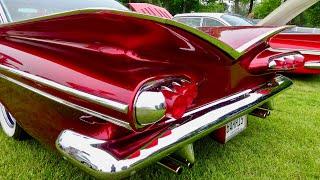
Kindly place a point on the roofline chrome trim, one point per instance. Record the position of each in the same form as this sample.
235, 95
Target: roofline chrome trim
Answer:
302, 51
214, 41
69, 104
243, 48
123, 108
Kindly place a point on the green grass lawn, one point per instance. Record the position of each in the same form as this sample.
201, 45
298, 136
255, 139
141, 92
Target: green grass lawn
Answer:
285, 145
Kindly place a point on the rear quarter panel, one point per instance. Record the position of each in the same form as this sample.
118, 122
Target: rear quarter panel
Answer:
107, 55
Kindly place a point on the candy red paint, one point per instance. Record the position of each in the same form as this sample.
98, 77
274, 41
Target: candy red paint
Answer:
110, 56
296, 42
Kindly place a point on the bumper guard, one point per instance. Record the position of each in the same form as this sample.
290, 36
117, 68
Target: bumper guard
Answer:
82, 150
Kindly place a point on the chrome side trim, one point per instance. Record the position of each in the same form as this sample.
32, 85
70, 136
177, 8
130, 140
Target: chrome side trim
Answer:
223, 46
69, 104
302, 51
312, 64
264, 36
123, 108
84, 151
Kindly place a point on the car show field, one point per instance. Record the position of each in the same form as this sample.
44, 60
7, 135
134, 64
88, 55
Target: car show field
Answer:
285, 145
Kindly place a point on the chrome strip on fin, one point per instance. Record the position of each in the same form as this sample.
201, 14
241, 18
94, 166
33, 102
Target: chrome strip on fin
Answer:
69, 104
123, 108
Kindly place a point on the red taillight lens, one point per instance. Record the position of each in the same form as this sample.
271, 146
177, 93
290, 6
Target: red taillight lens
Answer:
176, 104
179, 98
286, 62
267, 61
168, 98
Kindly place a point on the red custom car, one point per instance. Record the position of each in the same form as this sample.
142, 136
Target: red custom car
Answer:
114, 91
308, 43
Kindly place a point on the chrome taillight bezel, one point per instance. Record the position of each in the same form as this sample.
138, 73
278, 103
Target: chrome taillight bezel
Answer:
283, 58
155, 107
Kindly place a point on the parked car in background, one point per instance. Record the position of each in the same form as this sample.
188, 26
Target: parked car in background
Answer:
114, 91
212, 19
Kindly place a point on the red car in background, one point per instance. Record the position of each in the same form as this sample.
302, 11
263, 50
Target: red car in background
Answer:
293, 39
296, 39
115, 91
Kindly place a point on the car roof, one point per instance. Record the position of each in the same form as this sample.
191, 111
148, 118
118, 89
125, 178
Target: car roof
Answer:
214, 15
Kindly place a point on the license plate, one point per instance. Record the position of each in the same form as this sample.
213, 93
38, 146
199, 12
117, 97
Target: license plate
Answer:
230, 130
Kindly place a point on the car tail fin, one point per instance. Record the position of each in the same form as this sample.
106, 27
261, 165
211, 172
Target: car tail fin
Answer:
243, 38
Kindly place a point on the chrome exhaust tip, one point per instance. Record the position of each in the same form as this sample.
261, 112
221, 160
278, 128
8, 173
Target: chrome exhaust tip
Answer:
170, 165
261, 113
181, 161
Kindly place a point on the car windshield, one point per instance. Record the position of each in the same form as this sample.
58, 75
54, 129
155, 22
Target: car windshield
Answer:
235, 20
17, 10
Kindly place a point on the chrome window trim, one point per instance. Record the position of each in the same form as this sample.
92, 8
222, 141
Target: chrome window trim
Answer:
117, 106
69, 104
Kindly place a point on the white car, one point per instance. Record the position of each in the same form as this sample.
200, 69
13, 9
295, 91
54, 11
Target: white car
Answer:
212, 19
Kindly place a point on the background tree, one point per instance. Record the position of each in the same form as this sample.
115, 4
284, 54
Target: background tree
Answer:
250, 6
265, 8
309, 18
212, 6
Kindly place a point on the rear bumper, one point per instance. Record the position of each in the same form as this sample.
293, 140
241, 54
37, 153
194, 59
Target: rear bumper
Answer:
85, 152
312, 65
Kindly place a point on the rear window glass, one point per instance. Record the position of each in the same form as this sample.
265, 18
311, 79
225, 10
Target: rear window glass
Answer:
193, 22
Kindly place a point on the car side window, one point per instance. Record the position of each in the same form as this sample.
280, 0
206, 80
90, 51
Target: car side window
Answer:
208, 22
190, 21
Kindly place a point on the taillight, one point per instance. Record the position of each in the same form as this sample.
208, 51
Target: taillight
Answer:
167, 98
286, 62
266, 61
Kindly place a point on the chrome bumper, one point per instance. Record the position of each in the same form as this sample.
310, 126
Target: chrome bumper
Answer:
312, 65
84, 152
